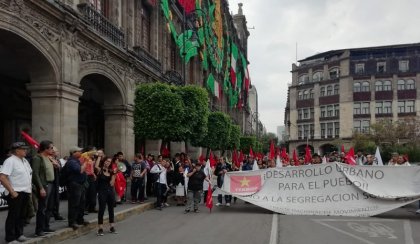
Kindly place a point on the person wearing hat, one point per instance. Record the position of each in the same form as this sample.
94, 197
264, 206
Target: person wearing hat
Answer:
76, 188
16, 176
394, 159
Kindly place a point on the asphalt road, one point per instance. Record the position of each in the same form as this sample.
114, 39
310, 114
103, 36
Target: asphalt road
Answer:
245, 223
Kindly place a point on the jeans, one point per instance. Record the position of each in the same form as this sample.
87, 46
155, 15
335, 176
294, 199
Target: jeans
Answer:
76, 206
16, 216
45, 208
228, 198
193, 199
137, 189
106, 197
160, 190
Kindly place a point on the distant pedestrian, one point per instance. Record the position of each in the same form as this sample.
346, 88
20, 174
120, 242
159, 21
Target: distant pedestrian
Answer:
106, 197
15, 176
195, 187
76, 186
138, 173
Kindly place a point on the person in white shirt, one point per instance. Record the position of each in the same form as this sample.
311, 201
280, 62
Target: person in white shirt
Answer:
160, 185
16, 177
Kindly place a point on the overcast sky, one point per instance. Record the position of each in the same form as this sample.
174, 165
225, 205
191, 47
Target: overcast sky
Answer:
316, 26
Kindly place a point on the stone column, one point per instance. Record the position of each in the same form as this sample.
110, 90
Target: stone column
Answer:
55, 109
119, 130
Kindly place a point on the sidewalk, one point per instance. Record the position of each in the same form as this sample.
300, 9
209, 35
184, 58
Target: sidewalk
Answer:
62, 232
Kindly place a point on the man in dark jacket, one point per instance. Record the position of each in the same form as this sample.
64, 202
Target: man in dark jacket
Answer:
195, 187
76, 188
221, 169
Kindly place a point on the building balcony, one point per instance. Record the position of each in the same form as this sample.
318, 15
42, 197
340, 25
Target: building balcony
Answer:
361, 96
384, 95
102, 25
145, 57
174, 77
407, 94
333, 99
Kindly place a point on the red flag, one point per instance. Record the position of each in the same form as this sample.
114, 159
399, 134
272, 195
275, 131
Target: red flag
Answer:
350, 157
251, 153
165, 151
235, 158
272, 151
212, 160
295, 158
342, 149
284, 155
188, 5
30, 140
308, 155
201, 158
209, 198
241, 157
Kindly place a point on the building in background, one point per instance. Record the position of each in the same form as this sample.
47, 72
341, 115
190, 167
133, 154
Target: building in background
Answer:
336, 93
281, 133
69, 68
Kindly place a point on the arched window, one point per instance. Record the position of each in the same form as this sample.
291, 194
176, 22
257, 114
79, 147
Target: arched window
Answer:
401, 85
303, 79
409, 85
306, 94
317, 76
329, 90
356, 87
334, 73
365, 86
378, 86
322, 93
311, 93
387, 85
300, 95
336, 88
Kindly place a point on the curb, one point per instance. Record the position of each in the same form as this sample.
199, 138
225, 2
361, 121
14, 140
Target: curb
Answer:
69, 233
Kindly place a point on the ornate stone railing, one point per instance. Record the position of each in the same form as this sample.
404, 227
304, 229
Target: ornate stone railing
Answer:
174, 78
145, 57
102, 25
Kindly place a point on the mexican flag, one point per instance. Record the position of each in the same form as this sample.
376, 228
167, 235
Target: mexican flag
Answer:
233, 60
214, 86
247, 80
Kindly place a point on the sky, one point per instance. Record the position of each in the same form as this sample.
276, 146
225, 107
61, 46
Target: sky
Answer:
316, 26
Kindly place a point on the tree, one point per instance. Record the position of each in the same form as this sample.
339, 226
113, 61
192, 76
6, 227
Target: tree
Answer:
196, 114
266, 141
218, 131
157, 113
235, 137
246, 142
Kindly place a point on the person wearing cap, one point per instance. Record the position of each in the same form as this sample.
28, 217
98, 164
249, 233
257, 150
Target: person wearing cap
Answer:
43, 180
394, 159
76, 188
16, 176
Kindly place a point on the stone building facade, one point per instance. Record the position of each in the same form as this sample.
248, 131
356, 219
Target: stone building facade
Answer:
336, 93
69, 69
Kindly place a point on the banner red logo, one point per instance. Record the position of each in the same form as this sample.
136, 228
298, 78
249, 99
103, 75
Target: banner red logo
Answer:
245, 183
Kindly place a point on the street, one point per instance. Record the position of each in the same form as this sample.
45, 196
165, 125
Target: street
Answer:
245, 223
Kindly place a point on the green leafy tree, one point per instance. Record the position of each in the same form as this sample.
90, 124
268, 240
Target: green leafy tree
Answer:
246, 142
235, 137
196, 114
218, 131
157, 113
266, 141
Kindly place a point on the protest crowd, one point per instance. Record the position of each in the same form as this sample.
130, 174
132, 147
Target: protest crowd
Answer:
95, 181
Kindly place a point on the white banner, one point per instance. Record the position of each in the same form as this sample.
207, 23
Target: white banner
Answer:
327, 189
